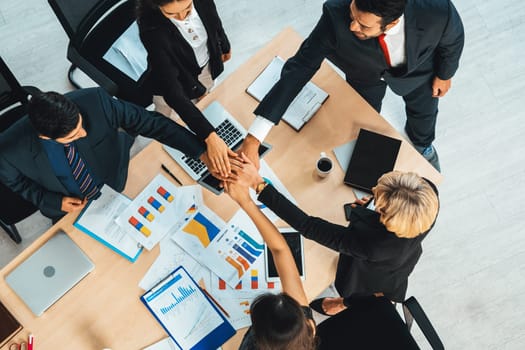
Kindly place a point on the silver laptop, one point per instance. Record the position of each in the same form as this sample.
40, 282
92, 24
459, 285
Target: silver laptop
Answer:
49, 273
230, 130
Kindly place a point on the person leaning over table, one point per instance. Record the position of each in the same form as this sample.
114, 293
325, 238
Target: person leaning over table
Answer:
379, 248
284, 320
59, 156
413, 46
186, 47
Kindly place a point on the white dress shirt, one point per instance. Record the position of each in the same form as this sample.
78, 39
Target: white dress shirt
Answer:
194, 32
395, 42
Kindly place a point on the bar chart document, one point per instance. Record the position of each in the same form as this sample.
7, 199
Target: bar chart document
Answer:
185, 312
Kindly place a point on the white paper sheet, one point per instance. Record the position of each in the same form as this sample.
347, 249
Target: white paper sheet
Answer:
98, 220
163, 210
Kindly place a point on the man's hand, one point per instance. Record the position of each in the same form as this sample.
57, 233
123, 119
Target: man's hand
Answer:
250, 147
440, 87
71, 204
226, 56
218, 154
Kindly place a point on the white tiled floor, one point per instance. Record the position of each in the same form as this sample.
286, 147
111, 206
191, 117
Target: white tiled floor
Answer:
470, 278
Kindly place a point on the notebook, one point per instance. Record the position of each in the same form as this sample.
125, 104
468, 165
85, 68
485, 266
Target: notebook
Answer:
374, 154
233, 134
305, 104
9, 326
49, 273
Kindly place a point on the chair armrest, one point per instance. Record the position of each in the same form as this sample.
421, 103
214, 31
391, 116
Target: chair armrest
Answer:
413, 311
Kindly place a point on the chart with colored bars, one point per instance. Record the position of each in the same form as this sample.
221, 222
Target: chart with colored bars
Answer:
146, 211
202, 228
257, 282
242, 251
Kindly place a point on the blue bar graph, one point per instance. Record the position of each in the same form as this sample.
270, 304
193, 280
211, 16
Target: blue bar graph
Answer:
250, 249
184, 293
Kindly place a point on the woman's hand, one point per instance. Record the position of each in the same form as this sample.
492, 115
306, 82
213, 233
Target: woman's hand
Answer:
226, 56
238, 192
218, 154
245, 171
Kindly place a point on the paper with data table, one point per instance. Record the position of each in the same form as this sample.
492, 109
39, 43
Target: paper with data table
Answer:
157, 210
226, 249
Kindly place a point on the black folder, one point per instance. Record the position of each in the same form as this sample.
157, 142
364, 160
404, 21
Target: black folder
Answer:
9, 326
374, 154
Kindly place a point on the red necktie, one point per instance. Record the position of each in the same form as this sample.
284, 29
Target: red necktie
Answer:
384, 48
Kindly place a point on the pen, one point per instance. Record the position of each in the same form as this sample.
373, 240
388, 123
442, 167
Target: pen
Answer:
30, 340
170, 174
215, 302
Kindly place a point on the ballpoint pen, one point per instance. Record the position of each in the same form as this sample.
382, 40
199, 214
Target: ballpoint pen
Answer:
30, 340
170, 174
215, 302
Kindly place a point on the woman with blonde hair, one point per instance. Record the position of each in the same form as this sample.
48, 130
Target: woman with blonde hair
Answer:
379, 248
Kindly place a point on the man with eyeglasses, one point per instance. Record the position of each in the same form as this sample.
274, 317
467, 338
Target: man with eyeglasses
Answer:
412, 46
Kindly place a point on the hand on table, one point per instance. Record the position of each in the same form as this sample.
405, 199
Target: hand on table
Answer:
71, 204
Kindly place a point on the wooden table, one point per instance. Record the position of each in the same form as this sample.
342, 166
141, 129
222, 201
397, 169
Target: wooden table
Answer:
104, 311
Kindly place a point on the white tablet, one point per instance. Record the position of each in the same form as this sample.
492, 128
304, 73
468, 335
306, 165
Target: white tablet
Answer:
295, 242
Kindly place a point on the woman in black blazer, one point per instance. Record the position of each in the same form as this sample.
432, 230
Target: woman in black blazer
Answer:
379, 248
174, 35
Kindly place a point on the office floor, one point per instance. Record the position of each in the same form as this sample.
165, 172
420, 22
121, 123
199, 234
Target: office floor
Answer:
470, 278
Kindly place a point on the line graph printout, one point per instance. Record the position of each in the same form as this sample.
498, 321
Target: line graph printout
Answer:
186, 313
157, 209
226, 249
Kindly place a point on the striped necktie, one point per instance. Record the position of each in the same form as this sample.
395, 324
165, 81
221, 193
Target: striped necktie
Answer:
81, 174
384, 48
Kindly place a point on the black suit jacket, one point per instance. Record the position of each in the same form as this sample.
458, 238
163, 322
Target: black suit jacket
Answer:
371, 259
434, 42
172, 63
25, 167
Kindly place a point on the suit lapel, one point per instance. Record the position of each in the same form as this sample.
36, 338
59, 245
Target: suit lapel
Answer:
412, 37
43, 165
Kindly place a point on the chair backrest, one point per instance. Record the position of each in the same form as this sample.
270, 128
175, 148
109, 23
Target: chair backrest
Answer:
79, 16
374, 323
10, 90
13, 106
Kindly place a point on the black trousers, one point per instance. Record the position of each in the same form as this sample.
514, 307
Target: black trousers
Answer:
420, 107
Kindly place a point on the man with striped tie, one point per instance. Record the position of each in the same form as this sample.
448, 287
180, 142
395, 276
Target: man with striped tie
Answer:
59, 156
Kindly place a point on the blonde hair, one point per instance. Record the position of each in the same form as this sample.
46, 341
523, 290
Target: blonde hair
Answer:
407, 204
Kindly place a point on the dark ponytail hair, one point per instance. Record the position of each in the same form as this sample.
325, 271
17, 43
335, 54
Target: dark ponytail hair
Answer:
145, 7
278, 323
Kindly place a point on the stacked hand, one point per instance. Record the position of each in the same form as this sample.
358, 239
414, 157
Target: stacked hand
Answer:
245, 176
217, 157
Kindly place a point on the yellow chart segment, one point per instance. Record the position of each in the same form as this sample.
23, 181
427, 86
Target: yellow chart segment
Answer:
199, 230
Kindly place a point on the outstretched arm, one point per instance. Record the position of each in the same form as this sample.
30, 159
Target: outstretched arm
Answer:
283, 258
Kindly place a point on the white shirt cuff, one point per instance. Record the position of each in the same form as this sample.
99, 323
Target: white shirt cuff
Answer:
260, 128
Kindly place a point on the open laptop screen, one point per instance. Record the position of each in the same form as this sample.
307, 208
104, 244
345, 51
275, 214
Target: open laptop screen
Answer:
374, 154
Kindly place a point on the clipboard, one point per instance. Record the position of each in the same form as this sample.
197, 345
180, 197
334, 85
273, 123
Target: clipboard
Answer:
186, 313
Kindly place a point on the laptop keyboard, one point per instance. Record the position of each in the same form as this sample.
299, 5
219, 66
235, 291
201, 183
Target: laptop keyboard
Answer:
226, 131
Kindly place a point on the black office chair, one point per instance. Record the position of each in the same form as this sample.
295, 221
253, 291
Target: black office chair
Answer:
374, 323
92, 27
13, 105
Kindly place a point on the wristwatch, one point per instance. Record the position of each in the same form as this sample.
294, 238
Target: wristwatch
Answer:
261, 186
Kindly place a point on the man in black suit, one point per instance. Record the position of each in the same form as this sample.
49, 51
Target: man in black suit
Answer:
68, 146
416, 57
